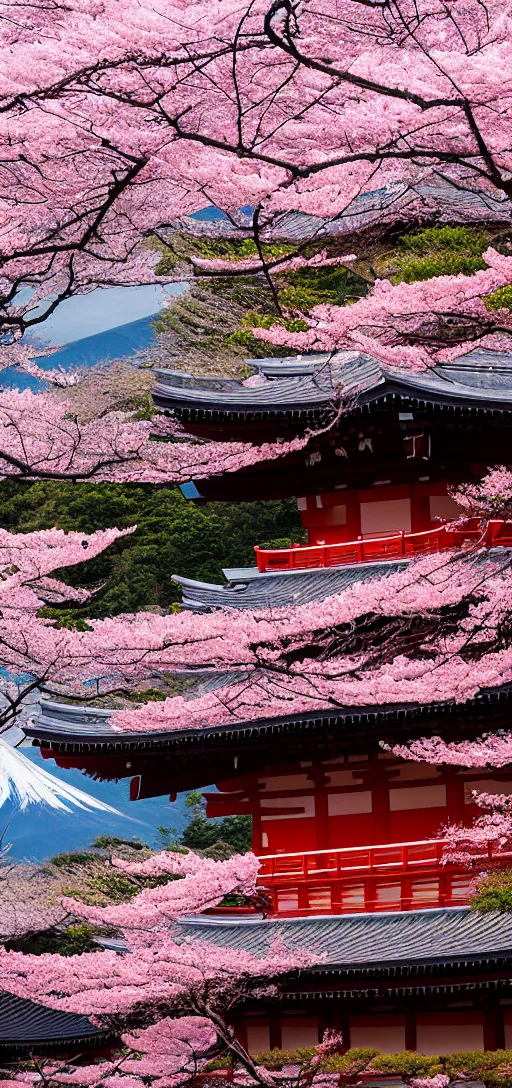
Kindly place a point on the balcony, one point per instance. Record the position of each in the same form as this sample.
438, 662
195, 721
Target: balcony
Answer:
364, 879
402, 545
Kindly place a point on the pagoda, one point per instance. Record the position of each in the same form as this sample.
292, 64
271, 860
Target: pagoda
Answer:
348, 834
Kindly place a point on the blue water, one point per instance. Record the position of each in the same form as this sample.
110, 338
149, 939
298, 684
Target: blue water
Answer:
105, 345
39, 832
109, 323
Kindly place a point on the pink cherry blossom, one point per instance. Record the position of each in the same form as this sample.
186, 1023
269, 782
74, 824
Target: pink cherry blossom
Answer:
41, 438
113, 126
411, 325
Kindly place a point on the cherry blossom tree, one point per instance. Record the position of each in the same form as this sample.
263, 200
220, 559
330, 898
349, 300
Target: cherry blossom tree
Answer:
112, 124
434, 632
171, 997
488, 842
412, 326
326, 1065
30, 900
43, 437
437, 631
491, 497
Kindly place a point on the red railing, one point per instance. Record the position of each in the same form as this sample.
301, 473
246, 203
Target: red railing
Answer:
393, 876
399, 546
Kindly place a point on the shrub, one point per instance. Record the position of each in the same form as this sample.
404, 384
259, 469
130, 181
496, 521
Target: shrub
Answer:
104, 887
438, 251
217, 1063
275, 1059
308, 287
72, 859
492, 1068
408, 1063
104, 842
201, 833
352, 1060
72, 941
500, 299
494, 893
280, 542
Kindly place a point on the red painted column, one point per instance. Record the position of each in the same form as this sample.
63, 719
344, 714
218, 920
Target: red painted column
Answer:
420, 511
494, 1029
240, 1029
257, 846
380, 812
410, 1030
321, 809
336, 1021
455, 797
275, 1030
353, 526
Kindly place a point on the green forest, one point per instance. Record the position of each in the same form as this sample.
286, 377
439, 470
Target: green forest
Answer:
173, 536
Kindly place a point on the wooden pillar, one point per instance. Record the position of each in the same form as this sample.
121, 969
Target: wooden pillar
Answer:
420, 510
494, 1028
337, 1020
455, 797
380, 811
257, 844
410, 1029
324, 1023
353, 526
321, 810
240, 1029
342, 1022
274, 1021
303, 897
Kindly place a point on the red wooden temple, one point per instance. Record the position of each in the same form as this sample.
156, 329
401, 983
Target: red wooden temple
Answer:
350, 837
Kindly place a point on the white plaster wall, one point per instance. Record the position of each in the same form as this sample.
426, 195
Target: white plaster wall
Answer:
258, 1036
411, 797
390, 1038
442, 506
449, 1038
349, 804
301, 1031
385, 516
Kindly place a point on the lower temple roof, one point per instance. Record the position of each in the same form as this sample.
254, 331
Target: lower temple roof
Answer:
26, 1025
446, 951
367, 941
68, 727
294, 587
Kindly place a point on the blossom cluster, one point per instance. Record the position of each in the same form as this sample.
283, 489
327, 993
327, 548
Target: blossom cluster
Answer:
113, 125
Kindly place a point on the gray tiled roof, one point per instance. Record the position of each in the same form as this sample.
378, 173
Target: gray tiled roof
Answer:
288, 366
24, 1024
76, 724
304, 394
368, 940
64, 724
480, 380
436, 194
281, 589
350, 946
